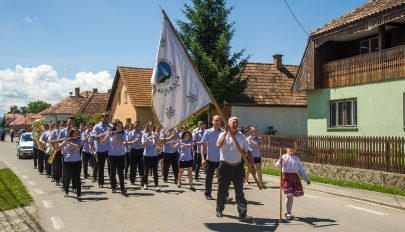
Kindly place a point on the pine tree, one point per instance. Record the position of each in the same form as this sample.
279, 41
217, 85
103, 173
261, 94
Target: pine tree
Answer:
207, 36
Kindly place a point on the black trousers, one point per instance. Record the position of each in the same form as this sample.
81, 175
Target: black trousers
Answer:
173, 160
102, 156
35, 157
41, 157
209, 177
72, 172
95, 167
197, 164
86, 156
127, 164
226, 175
136, 164
117, 164
12, 138
150, 162
48, 167
57, 167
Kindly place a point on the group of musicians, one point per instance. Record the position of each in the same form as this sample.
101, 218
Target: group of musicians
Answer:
131, 149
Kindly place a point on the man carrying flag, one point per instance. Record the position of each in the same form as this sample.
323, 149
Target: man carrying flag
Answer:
178, 90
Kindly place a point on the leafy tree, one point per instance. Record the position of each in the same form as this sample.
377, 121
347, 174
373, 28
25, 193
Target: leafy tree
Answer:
37, 106
207, 36
14, 109
80, 118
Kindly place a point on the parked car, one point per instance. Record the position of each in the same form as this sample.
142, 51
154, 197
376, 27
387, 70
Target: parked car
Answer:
25, 145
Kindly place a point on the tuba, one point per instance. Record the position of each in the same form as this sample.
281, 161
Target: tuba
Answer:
38, 128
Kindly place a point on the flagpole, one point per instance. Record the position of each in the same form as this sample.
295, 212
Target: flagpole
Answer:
221, 114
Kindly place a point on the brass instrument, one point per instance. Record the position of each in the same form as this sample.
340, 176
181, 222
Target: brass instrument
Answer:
52, 155
38, 128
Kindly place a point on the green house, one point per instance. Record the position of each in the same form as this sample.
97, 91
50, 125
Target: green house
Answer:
353, 71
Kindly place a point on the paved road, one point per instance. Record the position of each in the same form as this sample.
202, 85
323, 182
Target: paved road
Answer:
183, 210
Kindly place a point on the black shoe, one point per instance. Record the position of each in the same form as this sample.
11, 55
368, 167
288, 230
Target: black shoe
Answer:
197, 180
229, 199
94, 180
220, 214
114, 191
53, 180
100, 185
123, 191
246, 219
132, 182
209, 197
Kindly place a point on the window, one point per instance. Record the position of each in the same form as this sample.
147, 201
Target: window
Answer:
119, 98
369, 45
128, 120
125, 97
343, 113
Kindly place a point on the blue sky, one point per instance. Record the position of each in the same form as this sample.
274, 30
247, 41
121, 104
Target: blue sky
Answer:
92, 37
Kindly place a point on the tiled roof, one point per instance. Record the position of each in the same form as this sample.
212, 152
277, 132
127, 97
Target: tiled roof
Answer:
269, 86
88, 103
370, 8
20, 120
137, 82
96, 104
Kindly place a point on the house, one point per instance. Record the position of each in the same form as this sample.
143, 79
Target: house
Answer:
20, 121
130, 97
353, 71
87, 103
268, 103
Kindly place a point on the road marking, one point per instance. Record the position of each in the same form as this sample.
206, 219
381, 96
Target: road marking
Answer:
39, 191
310, 196
57, 223
31, 182
25, 177
48, 204
366, 210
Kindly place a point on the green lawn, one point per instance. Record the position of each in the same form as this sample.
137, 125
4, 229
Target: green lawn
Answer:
13, 193
343, 183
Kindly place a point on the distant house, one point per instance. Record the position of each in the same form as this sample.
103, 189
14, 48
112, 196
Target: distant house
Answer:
87, 102
353, 70
20, 121
130, 97
268, 102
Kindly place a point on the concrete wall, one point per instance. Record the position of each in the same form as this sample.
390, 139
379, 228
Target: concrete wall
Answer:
380, 109
393, 180
286, 120
121, 109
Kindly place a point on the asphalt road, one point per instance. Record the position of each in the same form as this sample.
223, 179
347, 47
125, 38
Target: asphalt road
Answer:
175, 209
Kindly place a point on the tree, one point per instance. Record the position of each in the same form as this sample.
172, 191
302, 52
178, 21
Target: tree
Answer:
207, 35
14, 109
37, 106
81, 118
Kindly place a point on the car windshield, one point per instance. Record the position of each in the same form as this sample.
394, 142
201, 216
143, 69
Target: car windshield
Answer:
26, 137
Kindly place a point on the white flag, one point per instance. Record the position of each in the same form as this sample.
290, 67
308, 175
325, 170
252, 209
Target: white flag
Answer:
177, 92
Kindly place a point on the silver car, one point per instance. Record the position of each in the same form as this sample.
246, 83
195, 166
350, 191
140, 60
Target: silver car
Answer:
25, 145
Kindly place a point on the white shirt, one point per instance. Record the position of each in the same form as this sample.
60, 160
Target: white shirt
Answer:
292, 164
229, 152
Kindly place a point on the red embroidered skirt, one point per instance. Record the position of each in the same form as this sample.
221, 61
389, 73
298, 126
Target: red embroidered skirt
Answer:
292, 184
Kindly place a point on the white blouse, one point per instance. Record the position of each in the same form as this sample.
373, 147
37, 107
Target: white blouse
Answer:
292, 164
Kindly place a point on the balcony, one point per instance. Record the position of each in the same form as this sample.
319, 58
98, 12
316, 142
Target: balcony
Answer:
387, 64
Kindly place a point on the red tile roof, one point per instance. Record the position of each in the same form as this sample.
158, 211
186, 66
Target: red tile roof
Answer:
269, 86
20, 120
137, 82
368, 9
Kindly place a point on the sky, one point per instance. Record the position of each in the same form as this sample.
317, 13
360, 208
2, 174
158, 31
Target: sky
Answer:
49, 47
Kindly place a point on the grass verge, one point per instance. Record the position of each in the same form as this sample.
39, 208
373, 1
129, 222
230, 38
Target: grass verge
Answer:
13, 193
343, 183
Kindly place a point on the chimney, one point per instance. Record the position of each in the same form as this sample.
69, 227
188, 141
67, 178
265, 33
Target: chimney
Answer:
77, 92
70, 93
95, 90
278, 62
109, 91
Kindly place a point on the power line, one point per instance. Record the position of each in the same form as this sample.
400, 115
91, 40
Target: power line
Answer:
296, 19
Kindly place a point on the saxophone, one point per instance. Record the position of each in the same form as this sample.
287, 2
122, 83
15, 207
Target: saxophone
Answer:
38, 128
52, 155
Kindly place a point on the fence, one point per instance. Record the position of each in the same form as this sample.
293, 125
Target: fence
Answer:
375, 153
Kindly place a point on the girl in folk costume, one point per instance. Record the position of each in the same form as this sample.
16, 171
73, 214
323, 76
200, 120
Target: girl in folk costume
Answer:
116, 154
186, 157
150, 142
254, 142
72, 160
291, 182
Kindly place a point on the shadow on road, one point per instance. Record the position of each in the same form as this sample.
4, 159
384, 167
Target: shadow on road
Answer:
257, 225
32, 223
317, 222
169, 191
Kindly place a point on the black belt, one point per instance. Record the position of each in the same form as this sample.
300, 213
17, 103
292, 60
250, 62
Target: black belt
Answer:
231, 164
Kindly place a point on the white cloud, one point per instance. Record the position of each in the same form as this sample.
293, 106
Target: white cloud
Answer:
25, 84
28, 19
